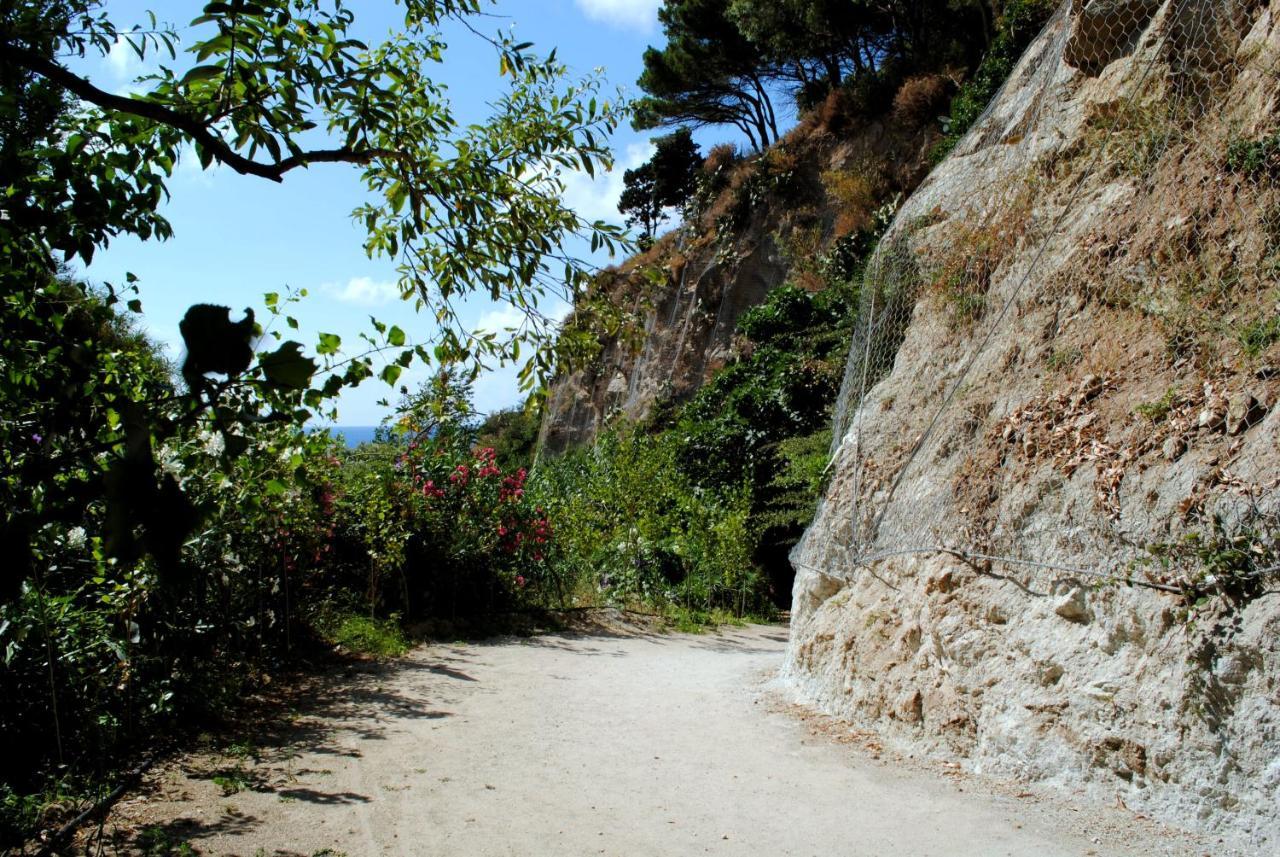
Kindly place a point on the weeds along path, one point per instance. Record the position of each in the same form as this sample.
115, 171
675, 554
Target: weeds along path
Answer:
578, 745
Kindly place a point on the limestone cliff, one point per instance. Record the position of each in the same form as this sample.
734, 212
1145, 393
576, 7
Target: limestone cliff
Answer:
679, 303
1048, 547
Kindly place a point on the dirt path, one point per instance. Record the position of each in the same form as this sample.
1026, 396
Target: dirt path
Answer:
615, 745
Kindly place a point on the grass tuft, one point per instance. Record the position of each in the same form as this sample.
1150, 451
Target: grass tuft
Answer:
363, 635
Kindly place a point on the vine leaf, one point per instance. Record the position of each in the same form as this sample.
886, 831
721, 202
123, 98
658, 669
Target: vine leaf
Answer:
288, 367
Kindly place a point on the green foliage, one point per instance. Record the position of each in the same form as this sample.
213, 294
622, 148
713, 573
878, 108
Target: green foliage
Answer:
696, 512
1158, 410
770, 176
278, 85
432, 523
792, 494
707, 73
158, 841
231, 781
666, 180
19, 813
365, 635
1260, 334
166, 538
1020, 21
632, 529
1254, 158
1061, 359
784, 388
1225, 561
513, 434
722, 60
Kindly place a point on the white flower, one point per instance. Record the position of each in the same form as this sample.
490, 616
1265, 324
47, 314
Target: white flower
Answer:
168, 460
76, 537
214, 444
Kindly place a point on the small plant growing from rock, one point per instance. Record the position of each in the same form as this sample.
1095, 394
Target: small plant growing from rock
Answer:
1158, 410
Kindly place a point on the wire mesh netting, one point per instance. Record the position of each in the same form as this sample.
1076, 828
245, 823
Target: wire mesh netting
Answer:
1107, 236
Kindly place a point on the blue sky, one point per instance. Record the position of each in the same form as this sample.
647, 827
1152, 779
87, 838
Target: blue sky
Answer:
237, 237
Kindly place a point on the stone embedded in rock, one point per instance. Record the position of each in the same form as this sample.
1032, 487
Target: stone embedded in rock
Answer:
910, 707
1174, 447
1102, 31
1073, 605
1244, 411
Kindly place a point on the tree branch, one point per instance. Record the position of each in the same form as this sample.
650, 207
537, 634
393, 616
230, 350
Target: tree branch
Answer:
195, 128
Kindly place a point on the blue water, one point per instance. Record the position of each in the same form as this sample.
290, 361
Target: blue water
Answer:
353, 435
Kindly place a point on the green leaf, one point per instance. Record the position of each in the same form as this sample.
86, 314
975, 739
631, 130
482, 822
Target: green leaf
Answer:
201, 72
288, 367
329, 343
395, 337
391, 373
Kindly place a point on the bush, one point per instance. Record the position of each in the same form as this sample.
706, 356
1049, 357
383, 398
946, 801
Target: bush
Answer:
721, 156
513, 434
365, 635
921, 98
441, 530
633, 530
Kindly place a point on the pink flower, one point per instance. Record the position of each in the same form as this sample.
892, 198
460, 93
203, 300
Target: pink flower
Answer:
519, 580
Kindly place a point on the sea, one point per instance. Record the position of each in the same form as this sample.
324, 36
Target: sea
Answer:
353, 435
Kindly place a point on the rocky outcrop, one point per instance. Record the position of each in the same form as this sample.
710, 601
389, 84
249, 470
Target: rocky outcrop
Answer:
1047, 548
684, 297
687, 334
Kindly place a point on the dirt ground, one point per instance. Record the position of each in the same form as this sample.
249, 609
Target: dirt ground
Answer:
616, 743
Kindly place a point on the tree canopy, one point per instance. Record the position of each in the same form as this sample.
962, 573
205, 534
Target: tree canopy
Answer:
725, 60
707, 74
270, 86
665, 181
264, 88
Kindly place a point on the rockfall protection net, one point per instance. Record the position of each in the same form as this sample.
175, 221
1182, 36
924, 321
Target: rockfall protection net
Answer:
1111, 223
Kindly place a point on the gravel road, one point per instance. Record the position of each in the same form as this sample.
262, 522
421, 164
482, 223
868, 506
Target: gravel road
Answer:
578, 745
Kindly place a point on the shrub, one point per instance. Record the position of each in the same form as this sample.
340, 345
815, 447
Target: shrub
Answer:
921, 98
366, 635
856, 192
442, 530
513, 434
633, 530
1259, 335
1254, 158
743, 426
721, 156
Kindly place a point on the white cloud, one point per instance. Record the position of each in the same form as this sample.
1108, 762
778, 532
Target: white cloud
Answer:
363, 291
623, 13
189, 169
597, 199
496, 389
499, 319
122, 61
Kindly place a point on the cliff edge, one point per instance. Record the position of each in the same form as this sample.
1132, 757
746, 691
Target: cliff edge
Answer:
1049, 543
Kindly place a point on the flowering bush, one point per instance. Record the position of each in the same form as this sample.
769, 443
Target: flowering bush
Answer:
443, 529
475, 521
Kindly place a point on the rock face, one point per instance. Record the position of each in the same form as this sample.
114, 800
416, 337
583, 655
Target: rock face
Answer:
687, 334
1047, 548
685, 296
